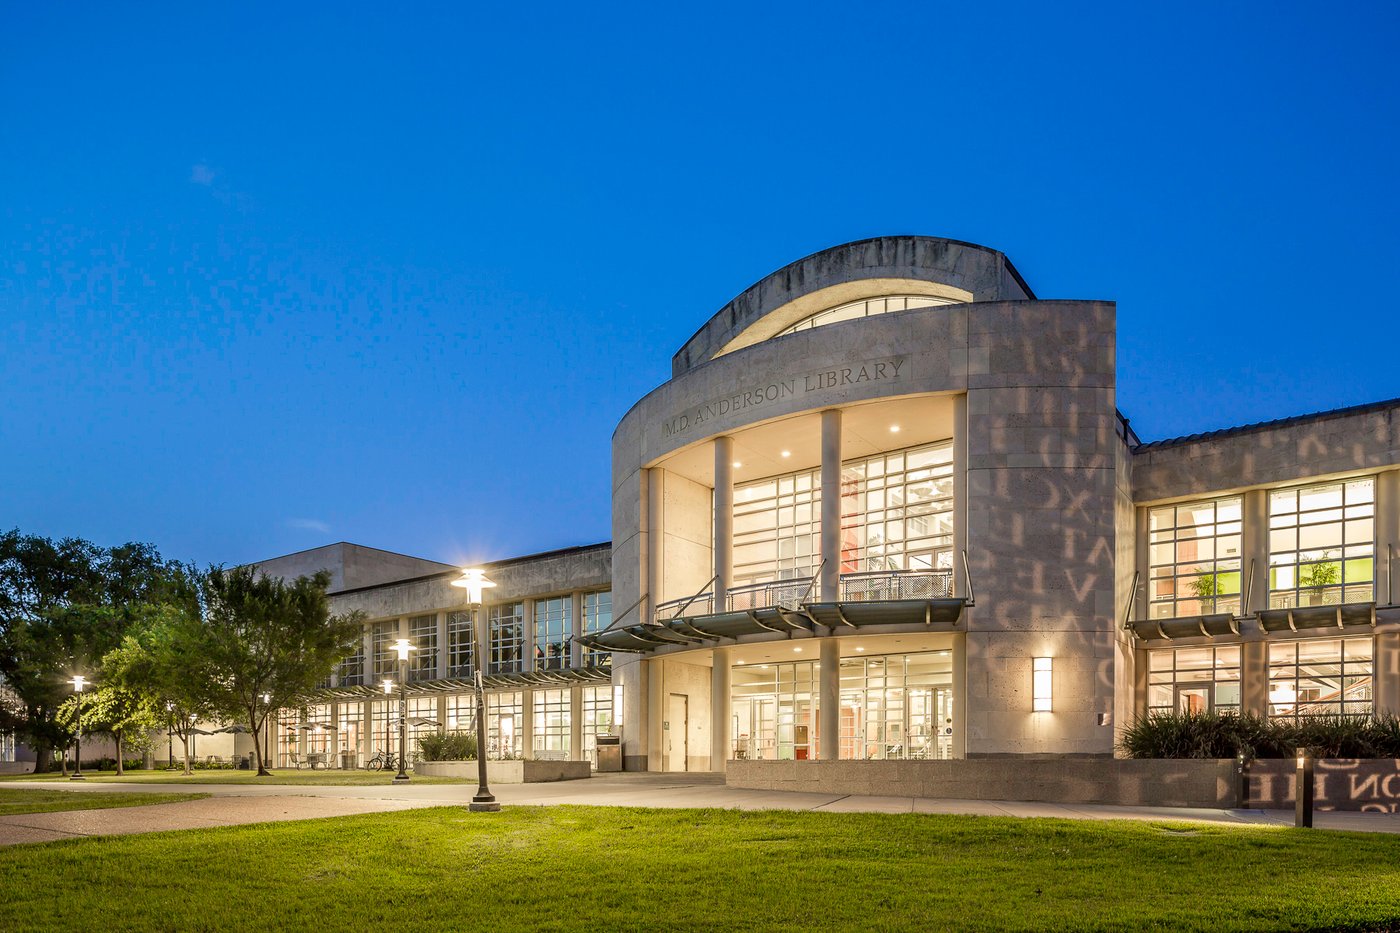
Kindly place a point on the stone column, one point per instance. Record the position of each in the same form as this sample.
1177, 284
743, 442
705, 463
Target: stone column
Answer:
1142, 564
442, 646
655, 699
959, 744
1255, 548
527, 635
656, 557
367, 668
723, 549
527, 722
1387, 676
959, 496
1254, 677
576, 629
830, 583
576, 723
829, 699
1387, 536
720, 692
1140, 680
366, 731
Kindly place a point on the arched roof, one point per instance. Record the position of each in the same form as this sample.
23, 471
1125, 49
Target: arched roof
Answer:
906, 265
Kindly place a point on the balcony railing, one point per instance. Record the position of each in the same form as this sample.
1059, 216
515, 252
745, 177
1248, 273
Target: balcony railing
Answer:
896, 584
855, 587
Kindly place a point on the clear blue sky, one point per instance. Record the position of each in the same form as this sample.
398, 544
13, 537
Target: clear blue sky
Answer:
273, 276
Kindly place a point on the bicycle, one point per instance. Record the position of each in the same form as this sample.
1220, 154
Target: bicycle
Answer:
382, 761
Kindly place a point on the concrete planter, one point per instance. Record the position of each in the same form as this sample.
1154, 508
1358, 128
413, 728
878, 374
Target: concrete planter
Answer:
1371, 784
507, 772
1068, 780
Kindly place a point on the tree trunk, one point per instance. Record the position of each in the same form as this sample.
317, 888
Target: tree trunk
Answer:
258, 748
43, 757
64, 761
186, 739
118, 737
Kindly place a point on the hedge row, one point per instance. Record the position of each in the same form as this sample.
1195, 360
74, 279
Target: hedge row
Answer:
1224, 735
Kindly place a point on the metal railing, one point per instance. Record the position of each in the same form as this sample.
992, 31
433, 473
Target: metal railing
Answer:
772, 593
896, 584
701, 604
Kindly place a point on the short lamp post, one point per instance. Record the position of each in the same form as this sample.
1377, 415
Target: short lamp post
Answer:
1303, 791
403, 647
79, 682
388, 688
170, 735
474, 581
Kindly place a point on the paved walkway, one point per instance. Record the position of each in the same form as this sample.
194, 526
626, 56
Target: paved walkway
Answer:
235, 804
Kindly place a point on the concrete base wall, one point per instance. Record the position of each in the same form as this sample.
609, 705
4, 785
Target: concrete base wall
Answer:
508, 772
1157, 783
1338, 784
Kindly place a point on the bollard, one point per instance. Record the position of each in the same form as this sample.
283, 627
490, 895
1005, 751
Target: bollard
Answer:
1303, 791
1241, 782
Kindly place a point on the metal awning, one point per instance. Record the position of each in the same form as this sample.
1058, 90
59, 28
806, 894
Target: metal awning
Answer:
1187, 627
583, 676
1314, 617
700, 631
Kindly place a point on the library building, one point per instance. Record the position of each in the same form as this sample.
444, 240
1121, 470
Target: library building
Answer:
886, 508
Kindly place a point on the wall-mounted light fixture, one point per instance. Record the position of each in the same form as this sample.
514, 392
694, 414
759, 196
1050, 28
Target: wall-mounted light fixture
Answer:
1041, 687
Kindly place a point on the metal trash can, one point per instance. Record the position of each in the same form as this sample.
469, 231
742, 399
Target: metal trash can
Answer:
609, 753
348, 760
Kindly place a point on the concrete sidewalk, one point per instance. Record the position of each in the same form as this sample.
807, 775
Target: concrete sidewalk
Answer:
235, 804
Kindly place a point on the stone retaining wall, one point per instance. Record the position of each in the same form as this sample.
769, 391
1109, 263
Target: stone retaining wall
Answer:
508, 772
1124, 782
1339, 784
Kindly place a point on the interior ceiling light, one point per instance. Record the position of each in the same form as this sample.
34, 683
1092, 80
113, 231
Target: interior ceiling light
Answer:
787, 453
894, 429
737, 464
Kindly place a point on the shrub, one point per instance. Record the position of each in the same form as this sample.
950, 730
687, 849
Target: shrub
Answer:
447, 746
1223, 735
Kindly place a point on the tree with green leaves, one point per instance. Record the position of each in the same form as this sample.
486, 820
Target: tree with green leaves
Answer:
268, 643
129, 716
63, 605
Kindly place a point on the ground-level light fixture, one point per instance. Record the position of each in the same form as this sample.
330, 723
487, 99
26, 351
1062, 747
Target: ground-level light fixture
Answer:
1042, 690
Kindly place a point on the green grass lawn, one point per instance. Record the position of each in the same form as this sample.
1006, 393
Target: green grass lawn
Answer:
24, 800
591, 868
231, 776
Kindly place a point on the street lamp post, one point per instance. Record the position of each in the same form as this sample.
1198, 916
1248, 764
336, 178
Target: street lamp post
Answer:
474, 581
79, 682
170, 735
403, 647
267, 724
388, 686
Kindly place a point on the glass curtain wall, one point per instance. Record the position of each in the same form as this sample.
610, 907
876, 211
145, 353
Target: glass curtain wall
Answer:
422, 661
1314, 677
1194, 680
386, 660
461, 654
896, 514
352, 719
288, 736
552, 709
422, 720
554, 623
774, 711
504, 720
597, 719
897, 511
507, 627
859, 309
351, 671
1322, 544
384, 720
461, 712
1195, 551
597, 615
897, 706
320, 738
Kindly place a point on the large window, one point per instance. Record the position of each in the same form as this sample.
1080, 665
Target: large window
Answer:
554, 629
386, 660
352, 669
1322, 544
597, 719
507, 627
422, 720
896, 514
777, 528
897, 511
774, 711
597, 615
897, 706
320, 737
1322, 676
422, 661
1194, 680
288, 736
461, 712
350, 733
461, 639
552, 724
505, 735
384, 727
866, 308
1194, 553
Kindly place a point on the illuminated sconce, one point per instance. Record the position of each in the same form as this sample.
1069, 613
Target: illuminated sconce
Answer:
1041, 689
